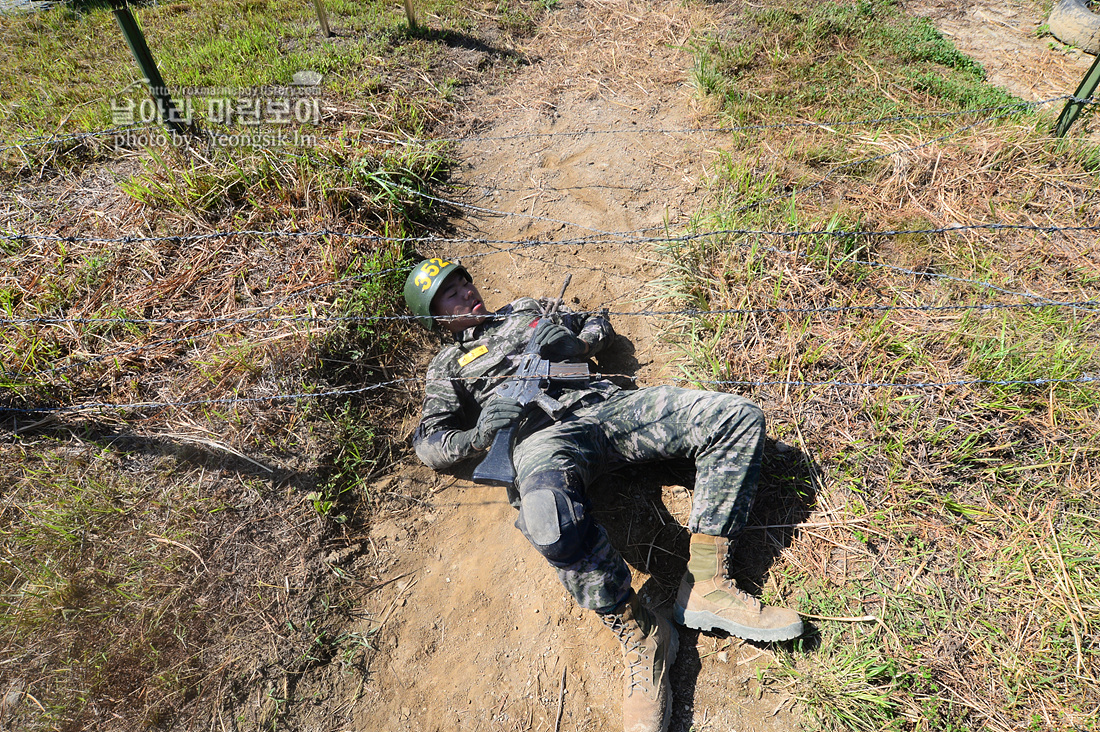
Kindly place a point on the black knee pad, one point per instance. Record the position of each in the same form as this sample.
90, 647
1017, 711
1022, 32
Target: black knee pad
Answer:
553, 518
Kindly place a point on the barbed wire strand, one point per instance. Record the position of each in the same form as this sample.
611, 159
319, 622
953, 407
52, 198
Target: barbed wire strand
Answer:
577, 241
870, 159
147, 405
1085, 306
870, 122
225, 323
835, 234
809, 310
209, 333
73, 136
839, 234
522, 244
755, 204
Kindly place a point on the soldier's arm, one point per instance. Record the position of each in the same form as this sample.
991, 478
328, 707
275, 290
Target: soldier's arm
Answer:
447, 426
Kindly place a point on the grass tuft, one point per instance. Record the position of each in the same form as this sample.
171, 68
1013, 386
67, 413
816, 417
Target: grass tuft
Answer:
962, 519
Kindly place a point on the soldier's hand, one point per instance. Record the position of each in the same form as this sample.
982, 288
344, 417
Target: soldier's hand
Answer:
558, 343
498, 413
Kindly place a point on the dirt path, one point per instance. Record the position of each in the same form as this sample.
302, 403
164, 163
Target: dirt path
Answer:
475, 632
485, 636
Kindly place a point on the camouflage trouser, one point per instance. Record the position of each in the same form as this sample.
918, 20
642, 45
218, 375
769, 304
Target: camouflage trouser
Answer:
723, 433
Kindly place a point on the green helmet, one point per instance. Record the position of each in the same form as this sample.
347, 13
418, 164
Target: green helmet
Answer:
423, 282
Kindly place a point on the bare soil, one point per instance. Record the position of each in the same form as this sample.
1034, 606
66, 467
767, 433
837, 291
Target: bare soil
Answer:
480, 634
471, 630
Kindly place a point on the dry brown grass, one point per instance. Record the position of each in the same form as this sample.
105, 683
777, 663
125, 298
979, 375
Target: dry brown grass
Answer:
175, 552
961, 517
185, 564
202, 316
197, 544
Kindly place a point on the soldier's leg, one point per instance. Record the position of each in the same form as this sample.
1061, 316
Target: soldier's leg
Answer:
724, 434
553, 468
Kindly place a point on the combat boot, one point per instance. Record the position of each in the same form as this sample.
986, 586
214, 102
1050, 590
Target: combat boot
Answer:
649, 648
708, 599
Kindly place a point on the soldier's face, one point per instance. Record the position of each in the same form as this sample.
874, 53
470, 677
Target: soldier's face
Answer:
460, 303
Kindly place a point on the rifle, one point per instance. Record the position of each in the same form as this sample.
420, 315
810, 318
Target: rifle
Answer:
533, 375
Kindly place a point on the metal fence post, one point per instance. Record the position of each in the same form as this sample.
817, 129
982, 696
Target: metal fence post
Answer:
1074, 106
144, 58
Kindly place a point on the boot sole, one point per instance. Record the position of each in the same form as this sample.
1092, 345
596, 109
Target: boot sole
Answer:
706, 622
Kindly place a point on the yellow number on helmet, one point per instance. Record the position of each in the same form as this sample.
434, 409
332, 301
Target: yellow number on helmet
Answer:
423, 281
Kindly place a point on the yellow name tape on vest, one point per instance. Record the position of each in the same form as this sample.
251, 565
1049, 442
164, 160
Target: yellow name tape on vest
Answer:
474, 354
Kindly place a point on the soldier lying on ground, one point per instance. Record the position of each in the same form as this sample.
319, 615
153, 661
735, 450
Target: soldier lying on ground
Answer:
601, 427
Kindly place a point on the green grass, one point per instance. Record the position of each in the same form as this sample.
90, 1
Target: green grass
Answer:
356, 351
346, 181
95, 563
964, 517
989, 622
1039, 344
838, 61
63, 75
66, 76
106, 607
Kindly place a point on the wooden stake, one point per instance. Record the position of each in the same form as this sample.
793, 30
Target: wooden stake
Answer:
410, 13
322, 17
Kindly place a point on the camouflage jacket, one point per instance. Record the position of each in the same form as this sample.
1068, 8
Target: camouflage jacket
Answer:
462, 376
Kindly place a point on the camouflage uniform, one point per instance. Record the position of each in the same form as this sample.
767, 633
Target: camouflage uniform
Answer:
602, 428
